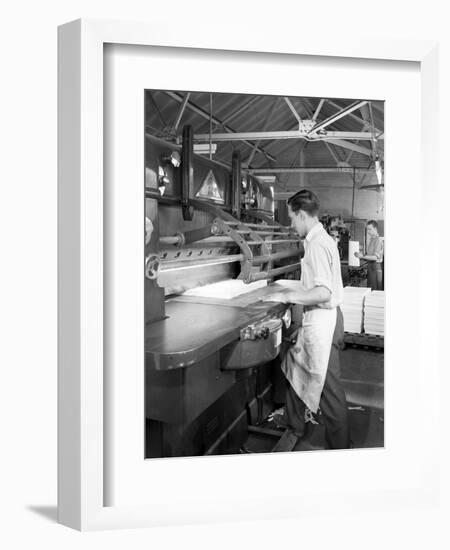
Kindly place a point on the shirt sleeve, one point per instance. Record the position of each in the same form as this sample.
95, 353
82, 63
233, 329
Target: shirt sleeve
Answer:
378, 249
320, 260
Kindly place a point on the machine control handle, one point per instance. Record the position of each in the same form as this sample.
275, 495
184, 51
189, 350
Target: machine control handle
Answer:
261, 330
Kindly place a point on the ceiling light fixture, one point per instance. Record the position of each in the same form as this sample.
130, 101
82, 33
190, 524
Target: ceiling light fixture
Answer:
173, 158
378, 170
205, 148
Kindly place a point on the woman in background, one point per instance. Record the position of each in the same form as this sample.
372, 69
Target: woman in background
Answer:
373, 256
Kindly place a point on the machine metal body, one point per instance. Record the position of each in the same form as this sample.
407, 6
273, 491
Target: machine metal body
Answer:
208, 359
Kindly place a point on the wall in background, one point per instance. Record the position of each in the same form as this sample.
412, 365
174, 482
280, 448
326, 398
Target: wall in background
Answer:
367, 204
335, 192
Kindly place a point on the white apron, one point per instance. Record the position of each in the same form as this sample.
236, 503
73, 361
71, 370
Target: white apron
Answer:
305, 364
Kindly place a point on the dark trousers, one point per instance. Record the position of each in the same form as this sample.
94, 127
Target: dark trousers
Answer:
374, 276
333, 404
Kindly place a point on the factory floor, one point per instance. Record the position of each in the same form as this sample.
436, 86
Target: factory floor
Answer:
363, 379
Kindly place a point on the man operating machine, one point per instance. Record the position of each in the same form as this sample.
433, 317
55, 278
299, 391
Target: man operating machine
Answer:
311, 366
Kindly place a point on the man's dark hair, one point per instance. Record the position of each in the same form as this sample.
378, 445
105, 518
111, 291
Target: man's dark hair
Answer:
305, 200
373, 223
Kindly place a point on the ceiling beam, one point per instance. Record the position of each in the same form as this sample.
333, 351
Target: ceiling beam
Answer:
353, 116
284, 134
181, 111
240, 109
337, 116
332, 153
204, 114
376, 105
365, 133
351, 146
288, 145
368, 136
293, 109
350, 154
292, 128
157, 109
266, 124
307, 170
317, 111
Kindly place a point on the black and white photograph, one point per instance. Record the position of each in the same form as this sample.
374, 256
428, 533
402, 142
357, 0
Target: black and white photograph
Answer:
220, 330
264, 273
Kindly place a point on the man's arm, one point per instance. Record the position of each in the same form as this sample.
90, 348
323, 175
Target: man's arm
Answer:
311, 297
321, 292
366, 257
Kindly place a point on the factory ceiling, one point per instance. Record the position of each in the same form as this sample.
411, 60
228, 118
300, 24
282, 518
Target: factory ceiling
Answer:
275, 135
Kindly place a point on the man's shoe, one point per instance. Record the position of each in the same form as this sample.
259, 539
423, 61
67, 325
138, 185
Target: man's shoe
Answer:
280, 421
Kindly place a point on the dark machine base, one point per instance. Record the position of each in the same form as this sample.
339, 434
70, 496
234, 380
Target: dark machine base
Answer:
223, 427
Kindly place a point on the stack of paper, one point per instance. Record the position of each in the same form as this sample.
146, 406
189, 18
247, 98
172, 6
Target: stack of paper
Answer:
228, 289
353, 306
353, 261
374, 313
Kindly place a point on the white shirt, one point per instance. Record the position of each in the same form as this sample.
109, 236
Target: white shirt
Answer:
321, 265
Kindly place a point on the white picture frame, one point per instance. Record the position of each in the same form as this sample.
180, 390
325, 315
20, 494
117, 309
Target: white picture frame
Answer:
81, 482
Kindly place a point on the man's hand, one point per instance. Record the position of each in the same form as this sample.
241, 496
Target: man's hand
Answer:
358, 255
